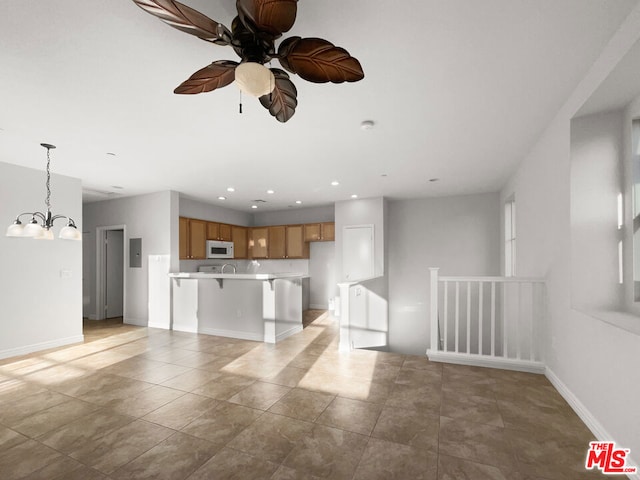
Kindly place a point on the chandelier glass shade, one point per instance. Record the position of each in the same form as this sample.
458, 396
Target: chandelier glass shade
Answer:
40, 225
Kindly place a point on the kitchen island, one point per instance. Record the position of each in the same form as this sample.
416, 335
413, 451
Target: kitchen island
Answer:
263, 307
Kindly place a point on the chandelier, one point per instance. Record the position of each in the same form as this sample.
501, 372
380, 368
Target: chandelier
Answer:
41, 223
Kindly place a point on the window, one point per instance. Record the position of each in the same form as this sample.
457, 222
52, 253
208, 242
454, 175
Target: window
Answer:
510, 237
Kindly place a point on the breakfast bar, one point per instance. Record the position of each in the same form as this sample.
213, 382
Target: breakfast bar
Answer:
262, 307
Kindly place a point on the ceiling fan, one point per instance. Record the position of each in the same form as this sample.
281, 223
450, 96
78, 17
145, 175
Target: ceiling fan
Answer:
253, 34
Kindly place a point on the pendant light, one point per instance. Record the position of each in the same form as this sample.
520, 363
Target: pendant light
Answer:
40, 225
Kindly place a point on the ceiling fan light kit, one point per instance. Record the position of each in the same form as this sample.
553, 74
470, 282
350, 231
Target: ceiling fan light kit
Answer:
252, 36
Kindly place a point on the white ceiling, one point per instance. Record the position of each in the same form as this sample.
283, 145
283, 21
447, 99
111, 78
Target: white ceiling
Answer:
459, 90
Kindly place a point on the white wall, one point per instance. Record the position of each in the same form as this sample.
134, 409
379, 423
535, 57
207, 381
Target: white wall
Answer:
295, 215
596, 182
367, 211
460, 235
368, 315
40, 309
145, 216
213, 213
322, 270
594, 363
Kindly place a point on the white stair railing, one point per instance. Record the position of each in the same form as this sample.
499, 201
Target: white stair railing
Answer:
487, 321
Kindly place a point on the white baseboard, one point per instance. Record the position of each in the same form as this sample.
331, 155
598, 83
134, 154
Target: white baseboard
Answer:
484, 361
317, 306
258, 337
36, 347
585, 415
163, 326
288, 333
92, 316
139, 322
185, 328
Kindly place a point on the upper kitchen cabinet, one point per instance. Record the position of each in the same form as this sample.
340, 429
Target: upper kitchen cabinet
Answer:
278, 242
193, 237
287, 241
239, 239
319, 232
219, 231
258, 242
296, 247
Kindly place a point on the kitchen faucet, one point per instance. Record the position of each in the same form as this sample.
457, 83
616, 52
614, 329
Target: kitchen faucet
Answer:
228, 265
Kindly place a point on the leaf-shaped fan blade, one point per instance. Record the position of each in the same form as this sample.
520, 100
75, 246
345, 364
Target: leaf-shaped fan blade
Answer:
187, 20
217, 75
319, 61
282, 101
270, 16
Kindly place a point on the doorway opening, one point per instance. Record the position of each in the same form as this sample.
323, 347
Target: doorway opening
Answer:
110, 269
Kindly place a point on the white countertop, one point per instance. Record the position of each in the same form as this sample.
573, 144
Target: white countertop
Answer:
236, 276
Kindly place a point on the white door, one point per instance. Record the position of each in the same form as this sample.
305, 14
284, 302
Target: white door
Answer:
357, 253
114, 259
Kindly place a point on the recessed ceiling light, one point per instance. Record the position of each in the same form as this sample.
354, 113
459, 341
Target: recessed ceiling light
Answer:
298, 202
271, 192
367, 125
354, 196
434, 179
231, 189
335, 183
222, 198
254, 206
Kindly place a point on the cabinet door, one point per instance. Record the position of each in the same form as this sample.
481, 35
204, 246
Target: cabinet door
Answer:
296, 246
213, 230
184, 238
259, 242
312, 232
224, 232
239, 238
328, 232
197, 239
277, 242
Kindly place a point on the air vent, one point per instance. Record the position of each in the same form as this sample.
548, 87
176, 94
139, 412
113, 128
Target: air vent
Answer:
258, 201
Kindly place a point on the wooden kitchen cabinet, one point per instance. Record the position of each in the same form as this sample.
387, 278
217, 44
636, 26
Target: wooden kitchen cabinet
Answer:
219, 231
319, 232
193, 239
183, 238
328, 232
287, 241
259, 242
296, 247
277, 242
239, 239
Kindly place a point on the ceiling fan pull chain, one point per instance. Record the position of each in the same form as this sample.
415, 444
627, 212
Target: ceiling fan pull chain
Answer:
240, 101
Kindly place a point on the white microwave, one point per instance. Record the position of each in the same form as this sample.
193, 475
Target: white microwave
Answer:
218, 249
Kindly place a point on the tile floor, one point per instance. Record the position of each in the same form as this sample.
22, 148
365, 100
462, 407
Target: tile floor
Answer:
138, 403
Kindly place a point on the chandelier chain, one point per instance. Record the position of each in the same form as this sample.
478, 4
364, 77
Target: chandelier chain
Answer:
48, 200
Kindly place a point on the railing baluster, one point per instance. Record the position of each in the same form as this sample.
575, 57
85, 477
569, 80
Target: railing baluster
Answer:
505, 328
493, 319
517, 321
457, 319
534, 319
514, 315
446, 317
480, 308
468, 317
435, 330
